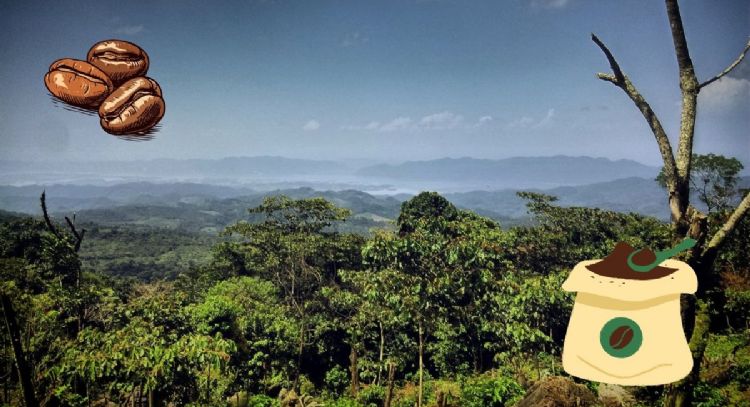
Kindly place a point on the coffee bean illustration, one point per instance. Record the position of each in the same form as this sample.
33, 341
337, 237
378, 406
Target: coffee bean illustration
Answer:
78, 83
120, 60
621, 337
135, 107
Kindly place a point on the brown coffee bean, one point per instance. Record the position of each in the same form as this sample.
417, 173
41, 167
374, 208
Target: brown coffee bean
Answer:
78, 83
135, 107
621, 337
121, 60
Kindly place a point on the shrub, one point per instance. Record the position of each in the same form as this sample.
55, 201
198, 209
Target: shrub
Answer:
336, 380
490, 390
371, 396
706, 395
261, 400
343, 402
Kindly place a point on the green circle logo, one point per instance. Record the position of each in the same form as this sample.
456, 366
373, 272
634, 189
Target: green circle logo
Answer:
621, 337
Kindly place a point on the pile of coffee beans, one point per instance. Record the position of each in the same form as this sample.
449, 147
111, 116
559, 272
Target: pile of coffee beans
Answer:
112, 80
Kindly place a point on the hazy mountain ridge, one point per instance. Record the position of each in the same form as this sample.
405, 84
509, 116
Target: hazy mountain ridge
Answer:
641, 195
217, 206
632, 194
265, 172
199, 206
517, 172
230, 170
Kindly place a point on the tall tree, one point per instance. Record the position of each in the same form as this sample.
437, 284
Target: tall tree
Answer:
296, 247
444, 263
714, 177
686, 220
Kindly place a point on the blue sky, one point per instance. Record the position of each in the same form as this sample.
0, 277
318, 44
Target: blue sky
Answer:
380, 80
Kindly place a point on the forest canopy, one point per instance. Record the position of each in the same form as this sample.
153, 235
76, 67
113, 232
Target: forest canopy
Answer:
291, 311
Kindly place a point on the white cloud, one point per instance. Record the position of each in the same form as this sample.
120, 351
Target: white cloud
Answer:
524, 121
530, 122
726, 93
483, 120
354, 38
441, 121
130, 29
369, 126
312, 125
550, 4
437, 121
547, 118
399, 123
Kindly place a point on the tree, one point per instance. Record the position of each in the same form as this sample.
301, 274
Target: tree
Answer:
715, 178
294, 245
686, 220
441, 266
246, 310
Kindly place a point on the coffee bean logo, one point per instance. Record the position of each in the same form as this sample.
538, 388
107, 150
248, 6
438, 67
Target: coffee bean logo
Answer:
621, 337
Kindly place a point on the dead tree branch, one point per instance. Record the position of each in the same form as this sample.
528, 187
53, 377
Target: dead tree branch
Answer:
719, 237
47, 220
51, 226
619, 79
76, 234
729, 68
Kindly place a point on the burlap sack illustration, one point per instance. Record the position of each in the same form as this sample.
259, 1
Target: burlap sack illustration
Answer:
625, 327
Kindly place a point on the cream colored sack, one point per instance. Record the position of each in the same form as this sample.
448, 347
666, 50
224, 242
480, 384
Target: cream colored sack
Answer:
626, 331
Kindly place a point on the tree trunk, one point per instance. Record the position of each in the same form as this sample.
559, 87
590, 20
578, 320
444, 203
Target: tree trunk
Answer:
421, 364
380, 357
300, 349
354, 371
155, 398
680, 394
389, 391
24, 373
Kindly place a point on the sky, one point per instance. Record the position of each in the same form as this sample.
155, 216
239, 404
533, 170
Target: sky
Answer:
380, 80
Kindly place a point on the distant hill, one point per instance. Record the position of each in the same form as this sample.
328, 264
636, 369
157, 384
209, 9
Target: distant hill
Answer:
519, 172
199, 207
230, 169
623, 195
208, 207
269, 173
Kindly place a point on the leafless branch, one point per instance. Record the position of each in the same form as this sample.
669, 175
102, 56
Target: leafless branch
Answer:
72, 227
619, 76
678, 36
47, 220
620, 80
78, 236
729, 68
51, 226
607, 77
718, 239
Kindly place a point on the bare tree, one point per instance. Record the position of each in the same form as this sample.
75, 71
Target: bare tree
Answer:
686, 220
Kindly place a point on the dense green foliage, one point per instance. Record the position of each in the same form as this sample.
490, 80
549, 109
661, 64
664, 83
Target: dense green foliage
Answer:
143, 252
714, 178
289, 307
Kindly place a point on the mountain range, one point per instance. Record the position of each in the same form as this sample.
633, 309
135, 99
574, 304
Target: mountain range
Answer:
473, 184
269, 173
518, 172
